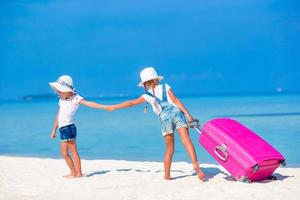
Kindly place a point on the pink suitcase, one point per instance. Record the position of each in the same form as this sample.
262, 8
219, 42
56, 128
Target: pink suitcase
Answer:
245, 155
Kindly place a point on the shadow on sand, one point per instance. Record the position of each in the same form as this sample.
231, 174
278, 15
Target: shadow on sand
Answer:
101, 172
210, 172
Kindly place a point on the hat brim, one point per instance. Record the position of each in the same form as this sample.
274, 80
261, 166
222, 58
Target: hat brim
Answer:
141, 84
58, 87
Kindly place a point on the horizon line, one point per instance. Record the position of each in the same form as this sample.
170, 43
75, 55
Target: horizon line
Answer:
49, 96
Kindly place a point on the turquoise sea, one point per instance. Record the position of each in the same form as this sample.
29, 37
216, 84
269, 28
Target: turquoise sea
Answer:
130, 134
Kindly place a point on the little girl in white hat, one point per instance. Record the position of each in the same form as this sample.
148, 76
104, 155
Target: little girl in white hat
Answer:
68, 104
171, 112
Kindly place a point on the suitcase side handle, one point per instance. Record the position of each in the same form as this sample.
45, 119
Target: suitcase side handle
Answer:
221, 153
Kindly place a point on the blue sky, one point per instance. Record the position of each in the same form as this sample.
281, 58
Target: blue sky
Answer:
208, 46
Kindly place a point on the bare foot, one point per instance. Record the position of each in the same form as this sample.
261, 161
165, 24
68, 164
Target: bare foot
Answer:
168, 178
69, 176
78, 176
200, 174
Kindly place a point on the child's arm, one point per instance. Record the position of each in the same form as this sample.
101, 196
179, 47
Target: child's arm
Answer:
180, 105
53, 132
92, 104
127, 104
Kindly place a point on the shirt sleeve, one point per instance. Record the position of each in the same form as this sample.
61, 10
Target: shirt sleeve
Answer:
77, 99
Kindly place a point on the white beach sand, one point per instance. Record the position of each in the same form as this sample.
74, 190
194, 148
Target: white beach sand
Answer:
35, 178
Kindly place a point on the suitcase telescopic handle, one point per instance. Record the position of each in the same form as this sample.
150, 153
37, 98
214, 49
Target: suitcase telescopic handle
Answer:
195, 124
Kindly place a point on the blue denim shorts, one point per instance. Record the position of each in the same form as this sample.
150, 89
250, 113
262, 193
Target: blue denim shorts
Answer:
68, 133
171, 118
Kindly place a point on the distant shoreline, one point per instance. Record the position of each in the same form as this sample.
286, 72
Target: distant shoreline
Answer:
36, 97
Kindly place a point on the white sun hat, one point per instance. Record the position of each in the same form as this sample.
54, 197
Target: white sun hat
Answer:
63, 84
148, 74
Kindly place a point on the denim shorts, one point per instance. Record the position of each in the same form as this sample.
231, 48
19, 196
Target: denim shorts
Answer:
171, 118
68, 133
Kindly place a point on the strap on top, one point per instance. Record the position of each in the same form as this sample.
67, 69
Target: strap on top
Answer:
164, 94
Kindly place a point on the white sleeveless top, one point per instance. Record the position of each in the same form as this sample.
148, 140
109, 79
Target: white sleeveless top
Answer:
158, 93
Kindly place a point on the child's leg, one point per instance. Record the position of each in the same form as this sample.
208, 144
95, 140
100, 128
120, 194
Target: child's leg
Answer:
77, 162
68, 159
187, 142
169, 140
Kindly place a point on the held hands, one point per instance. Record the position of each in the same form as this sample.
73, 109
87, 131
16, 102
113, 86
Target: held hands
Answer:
109, 108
